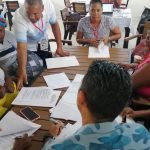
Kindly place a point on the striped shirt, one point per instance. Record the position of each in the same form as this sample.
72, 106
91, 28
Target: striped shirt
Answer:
8, 53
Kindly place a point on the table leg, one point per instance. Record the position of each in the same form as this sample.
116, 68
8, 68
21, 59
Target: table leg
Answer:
127, 32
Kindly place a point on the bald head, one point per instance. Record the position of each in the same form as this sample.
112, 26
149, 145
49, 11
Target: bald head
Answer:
34, 9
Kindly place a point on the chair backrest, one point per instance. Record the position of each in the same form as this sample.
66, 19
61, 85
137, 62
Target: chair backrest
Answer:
64, 14
127, 3
12, 6
146, 27
67, 3
79, 8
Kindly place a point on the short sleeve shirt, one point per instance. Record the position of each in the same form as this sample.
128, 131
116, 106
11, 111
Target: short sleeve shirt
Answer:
26, 31
2, 77
106, 25
8, 53
104, 136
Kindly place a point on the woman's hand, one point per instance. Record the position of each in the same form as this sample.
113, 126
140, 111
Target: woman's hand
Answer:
93, 42
129, 112
105, 40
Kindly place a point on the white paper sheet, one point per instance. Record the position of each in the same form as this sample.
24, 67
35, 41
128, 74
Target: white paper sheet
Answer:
37, 96
61, 62
78, 78
67, 107
101, 52
69, 130
66, 111
11, 129
56, 81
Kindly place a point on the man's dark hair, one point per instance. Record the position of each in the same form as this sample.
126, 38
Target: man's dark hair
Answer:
96, 1
33, 2
107, 89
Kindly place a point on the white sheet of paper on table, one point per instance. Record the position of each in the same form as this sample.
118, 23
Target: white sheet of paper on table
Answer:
68, 103
61, 62
37, 96
11, 129
56, 81
101, 52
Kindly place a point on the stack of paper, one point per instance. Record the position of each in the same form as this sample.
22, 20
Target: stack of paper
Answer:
56, 81
60, 62
37, 96
11, 129
101, 52
67, 107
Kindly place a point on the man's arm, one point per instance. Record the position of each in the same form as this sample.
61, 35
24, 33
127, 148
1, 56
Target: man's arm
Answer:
22, 61
57, 35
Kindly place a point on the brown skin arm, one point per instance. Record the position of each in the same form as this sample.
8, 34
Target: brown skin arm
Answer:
57, 35
129, 112
81, 40
141, 77
22, 61
22, 143
116, 34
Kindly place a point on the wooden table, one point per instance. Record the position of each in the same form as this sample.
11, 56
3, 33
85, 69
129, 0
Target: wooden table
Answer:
116, 55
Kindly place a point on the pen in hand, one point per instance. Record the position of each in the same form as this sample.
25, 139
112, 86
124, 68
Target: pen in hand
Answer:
55, 127
124, 119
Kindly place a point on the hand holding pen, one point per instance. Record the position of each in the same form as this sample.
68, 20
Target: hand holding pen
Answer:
55, 127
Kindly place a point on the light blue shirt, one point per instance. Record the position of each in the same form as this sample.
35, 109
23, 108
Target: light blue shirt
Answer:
27, 32
105, 136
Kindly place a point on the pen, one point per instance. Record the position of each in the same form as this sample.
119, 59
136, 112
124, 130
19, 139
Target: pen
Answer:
124, 119
57, 122
54, 121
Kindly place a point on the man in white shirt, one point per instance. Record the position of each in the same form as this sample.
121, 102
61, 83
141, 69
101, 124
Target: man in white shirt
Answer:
30, 24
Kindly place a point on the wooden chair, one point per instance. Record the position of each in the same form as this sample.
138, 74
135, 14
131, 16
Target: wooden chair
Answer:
70, 22
12, 6
63, 41
79, 8
140, 36
68, 4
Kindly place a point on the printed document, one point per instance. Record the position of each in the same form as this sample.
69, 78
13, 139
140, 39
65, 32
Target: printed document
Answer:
37, 96
67, 106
